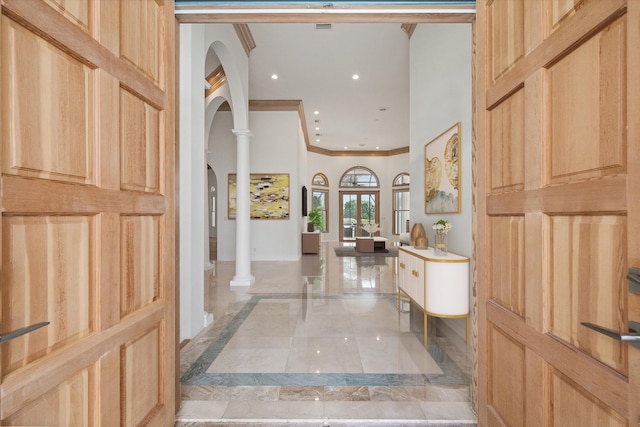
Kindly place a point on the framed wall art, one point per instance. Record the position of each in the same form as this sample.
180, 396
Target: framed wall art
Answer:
442, 172
269, 196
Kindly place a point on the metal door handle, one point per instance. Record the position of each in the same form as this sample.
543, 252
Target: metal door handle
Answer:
632, 337
22, 331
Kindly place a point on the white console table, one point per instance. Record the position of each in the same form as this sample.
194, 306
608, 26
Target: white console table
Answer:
437, 284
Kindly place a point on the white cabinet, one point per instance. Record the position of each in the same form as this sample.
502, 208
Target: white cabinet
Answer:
438, 285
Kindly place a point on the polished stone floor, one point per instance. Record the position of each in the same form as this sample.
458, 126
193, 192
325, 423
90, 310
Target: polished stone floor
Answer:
320, 342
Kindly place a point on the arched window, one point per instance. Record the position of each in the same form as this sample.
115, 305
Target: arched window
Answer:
359, 177
401, 179
320, 180
320, 198
401, 205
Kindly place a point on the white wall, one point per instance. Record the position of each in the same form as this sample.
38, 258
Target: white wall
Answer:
386, 169
441, 95
274, 149
195, 41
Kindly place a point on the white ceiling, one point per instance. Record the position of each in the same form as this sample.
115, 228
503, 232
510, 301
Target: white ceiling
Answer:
316, 66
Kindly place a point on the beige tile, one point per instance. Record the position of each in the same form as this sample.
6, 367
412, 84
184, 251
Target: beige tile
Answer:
200, 410
346, 393
452, 411
324, 355
250, 360
388, 354
281, 410
300, 393
374, 410
380, 393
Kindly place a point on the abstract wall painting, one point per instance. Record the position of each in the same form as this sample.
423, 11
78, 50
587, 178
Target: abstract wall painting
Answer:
269, 196
442, 172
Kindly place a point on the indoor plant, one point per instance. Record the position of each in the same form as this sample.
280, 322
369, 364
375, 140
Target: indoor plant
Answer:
314, 221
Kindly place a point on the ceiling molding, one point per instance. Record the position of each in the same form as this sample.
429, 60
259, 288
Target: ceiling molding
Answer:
409, 28
244, 34
322, 13
296, 105
216, 79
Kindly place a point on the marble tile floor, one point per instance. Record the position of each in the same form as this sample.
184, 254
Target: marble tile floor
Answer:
320, 342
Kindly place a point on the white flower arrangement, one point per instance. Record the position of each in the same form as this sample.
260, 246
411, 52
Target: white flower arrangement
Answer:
442, 225
371, 228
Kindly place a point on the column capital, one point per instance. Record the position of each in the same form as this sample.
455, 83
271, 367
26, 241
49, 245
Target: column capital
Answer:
242, 132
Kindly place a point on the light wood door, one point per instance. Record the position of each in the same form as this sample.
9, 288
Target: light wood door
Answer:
558, 211
87, 126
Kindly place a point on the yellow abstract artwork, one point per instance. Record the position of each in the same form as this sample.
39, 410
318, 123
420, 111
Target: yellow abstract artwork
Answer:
269, 196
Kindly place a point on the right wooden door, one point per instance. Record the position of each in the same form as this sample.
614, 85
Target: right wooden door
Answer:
557, 210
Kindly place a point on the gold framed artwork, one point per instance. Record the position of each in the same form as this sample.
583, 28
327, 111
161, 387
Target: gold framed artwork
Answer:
442, 172
269, 196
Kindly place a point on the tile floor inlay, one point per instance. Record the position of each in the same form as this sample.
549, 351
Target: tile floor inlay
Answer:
320, 341
197, 374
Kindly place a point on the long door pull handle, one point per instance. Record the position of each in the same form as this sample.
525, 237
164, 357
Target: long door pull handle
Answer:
22, 331
632, 337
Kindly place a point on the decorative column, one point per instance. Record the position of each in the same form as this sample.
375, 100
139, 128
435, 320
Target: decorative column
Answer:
243, 275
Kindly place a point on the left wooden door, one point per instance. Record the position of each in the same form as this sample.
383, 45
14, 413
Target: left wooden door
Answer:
87, 209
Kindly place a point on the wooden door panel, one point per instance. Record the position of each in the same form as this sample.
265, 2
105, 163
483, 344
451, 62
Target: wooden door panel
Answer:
47, 132
507, 144
141, 372
508, 375
571, 405
87, 236
67, 404
587, 114
554, 213
507, 37
139, 148
561, 9
76, 11
139, 38
580, 287
140, 272
39, 285
507, 263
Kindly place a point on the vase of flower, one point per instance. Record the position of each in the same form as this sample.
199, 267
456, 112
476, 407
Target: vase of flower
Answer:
440, 244
441, 227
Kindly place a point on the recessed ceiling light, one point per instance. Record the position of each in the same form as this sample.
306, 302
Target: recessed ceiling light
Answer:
355, 77
318, 140
346, 148
377, 148
316, 112
274, 76
317, 128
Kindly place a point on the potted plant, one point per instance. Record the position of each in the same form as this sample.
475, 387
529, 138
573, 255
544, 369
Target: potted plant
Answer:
315, 219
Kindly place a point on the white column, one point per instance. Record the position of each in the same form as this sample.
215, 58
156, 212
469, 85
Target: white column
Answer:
243, 275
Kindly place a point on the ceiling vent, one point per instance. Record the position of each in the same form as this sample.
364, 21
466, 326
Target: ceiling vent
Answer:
323, 26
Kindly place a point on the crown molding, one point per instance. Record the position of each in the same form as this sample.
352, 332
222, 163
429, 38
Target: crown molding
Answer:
409, 28
245, 36
216, 79
296, 105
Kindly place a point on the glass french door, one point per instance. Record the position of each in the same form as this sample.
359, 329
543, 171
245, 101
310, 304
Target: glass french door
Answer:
356, 210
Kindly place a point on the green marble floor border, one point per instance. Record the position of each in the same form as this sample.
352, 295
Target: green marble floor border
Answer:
197, 373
